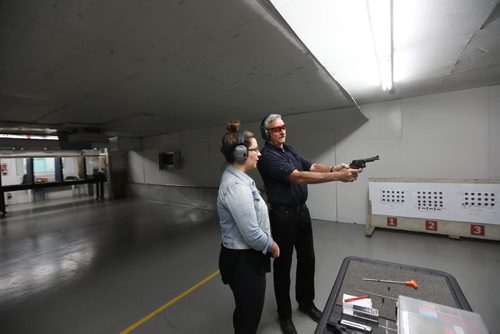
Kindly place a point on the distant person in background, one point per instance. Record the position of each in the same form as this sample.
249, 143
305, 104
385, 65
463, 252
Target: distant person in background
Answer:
246, 234
286, 174
26, 179
100, 177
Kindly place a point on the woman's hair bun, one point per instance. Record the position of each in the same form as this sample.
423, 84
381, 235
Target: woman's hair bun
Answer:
233, 126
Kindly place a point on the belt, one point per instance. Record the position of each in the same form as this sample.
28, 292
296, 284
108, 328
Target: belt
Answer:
280, 208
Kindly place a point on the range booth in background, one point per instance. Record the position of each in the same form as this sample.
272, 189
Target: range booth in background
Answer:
27, 177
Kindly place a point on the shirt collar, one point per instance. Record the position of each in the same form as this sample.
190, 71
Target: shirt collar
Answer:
239, 174
269, 145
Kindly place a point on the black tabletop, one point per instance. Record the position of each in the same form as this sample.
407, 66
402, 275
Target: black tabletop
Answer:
433, 286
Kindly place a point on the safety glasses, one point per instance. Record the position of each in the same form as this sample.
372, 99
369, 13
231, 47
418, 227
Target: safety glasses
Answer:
278, 129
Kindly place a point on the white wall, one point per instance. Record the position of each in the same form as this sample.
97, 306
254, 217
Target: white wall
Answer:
202, 160
450, 135
494, 122
380, 135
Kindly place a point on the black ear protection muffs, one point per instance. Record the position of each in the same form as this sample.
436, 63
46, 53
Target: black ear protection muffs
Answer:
240, 151
263, 131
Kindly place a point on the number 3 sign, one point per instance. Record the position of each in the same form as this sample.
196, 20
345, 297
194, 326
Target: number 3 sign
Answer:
476, 229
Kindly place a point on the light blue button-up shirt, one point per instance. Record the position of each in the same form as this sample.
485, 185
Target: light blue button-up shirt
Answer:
243, 215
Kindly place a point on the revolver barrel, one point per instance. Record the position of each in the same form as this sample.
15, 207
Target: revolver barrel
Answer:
372, 159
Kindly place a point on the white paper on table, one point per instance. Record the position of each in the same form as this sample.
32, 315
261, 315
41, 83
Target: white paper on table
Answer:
365, 302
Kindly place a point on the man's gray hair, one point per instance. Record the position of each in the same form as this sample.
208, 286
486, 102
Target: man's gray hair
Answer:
271, 118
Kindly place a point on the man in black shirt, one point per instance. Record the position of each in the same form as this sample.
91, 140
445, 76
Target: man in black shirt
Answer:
286, 174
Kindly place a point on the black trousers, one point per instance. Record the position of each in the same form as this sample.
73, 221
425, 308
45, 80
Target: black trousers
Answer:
292, 228
245, 272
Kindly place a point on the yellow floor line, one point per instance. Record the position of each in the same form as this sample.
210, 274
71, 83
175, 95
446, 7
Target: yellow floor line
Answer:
163, 307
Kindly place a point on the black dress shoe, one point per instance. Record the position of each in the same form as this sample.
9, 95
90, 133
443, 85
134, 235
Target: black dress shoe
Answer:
287, 326
312, 311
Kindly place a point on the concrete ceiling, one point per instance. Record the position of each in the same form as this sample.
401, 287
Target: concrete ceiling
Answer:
141, 68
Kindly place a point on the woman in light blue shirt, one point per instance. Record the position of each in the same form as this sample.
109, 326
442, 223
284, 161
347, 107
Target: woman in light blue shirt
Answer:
246, 235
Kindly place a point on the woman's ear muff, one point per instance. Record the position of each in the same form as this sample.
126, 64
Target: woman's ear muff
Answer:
240, 151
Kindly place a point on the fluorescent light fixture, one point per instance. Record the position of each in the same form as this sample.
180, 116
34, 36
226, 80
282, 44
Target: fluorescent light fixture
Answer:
380, 16
337, 32
28, 137
352, 39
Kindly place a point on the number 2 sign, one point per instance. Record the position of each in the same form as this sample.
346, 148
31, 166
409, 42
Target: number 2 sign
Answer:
431, 225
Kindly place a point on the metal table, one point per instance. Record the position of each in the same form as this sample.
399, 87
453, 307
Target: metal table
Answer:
434, 286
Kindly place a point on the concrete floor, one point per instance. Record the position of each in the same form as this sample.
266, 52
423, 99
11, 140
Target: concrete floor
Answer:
101, 267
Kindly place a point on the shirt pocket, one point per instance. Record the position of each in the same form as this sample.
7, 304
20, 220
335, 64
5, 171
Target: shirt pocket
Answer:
257, 201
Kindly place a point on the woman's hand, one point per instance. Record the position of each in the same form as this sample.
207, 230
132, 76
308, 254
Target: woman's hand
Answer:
275, 250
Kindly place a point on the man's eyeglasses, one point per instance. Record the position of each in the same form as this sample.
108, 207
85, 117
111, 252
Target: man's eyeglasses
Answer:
254, 149
278, 129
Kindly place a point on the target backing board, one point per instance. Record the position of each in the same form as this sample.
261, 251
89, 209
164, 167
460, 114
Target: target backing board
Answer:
464, 200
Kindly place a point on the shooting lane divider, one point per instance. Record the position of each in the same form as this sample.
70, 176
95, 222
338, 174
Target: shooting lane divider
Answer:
169, 303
